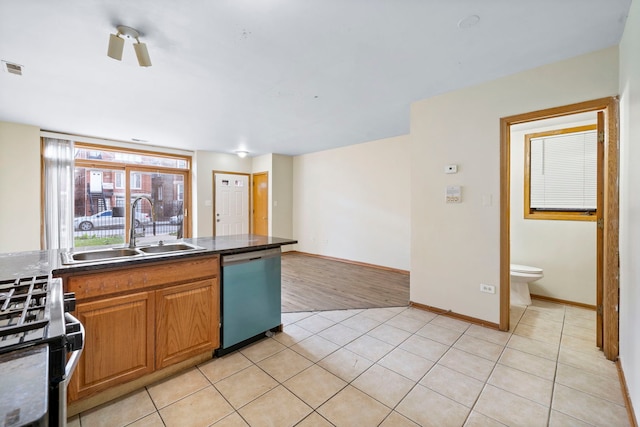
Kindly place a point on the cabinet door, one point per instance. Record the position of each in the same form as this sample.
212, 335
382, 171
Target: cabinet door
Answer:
187, 321
119, 343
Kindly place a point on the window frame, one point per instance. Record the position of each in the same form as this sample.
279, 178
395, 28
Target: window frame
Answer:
565, 215
127, 169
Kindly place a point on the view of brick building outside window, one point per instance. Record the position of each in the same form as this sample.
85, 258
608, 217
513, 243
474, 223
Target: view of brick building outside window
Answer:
101, 202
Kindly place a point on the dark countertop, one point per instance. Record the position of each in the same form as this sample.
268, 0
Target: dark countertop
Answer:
41, 263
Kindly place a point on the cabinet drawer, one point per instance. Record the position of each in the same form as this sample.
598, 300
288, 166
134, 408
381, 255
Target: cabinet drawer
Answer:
127, 279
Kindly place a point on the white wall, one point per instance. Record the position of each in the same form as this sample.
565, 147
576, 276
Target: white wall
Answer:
630, 204
19, 187
565, 250
353, 202
455, 247
204, 163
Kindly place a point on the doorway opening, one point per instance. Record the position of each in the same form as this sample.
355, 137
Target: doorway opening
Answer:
607, 286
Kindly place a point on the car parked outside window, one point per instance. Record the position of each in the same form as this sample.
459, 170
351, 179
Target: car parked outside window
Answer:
105, 219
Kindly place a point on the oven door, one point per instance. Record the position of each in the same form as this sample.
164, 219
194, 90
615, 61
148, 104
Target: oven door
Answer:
75, 343
24, 387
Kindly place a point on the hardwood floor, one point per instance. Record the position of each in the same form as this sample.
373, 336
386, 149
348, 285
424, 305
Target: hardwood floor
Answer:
310, 283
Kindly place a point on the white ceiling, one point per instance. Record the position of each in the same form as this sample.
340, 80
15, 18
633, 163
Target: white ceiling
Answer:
281, 76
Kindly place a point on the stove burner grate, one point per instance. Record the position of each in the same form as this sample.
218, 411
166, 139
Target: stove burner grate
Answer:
24, 315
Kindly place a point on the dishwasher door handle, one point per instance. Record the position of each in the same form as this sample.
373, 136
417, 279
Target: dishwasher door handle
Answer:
228, 260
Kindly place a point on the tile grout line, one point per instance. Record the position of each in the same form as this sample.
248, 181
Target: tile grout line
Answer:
486, 382
555, 372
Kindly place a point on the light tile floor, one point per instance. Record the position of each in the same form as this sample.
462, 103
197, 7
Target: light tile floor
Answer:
393, 367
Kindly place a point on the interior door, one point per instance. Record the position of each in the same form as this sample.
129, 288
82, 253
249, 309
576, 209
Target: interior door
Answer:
261, 203
231, 210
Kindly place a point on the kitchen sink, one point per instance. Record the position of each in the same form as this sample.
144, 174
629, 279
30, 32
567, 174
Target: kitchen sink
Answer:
99, 255
113, 254
172, 247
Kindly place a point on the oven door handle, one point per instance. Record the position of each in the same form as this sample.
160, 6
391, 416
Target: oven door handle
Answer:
75, 355
68, 370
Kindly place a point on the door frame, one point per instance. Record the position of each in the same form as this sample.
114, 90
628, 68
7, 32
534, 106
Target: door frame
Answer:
213, 177
253, 201
607, 292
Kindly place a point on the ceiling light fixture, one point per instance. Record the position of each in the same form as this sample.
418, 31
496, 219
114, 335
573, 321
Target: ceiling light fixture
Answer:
116, 45
241, 153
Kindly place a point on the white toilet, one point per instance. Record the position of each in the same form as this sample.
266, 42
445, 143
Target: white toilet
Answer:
521, 276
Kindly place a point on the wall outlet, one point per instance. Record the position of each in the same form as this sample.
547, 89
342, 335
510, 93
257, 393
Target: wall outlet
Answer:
490, 289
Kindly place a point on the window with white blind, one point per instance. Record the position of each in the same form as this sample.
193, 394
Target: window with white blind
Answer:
561, 174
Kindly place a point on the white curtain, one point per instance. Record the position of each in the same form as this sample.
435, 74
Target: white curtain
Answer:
58, 193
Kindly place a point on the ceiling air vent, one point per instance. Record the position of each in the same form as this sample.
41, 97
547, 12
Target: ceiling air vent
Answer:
12, 68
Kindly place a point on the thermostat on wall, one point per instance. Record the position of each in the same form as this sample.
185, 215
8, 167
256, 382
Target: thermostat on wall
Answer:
451, 169
454, 194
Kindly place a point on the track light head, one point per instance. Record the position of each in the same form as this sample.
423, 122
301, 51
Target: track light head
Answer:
116, 45
142, 54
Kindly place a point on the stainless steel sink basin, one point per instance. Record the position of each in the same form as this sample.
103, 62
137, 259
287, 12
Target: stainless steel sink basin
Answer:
113, 254
99, 255
172, 247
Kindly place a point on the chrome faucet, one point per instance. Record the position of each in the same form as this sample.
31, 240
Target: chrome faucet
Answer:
132, 226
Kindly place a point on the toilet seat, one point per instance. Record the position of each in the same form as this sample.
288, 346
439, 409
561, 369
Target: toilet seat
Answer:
520, 276
525, 269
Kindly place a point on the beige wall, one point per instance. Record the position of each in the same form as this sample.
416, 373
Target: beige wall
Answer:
630, 204
19, 187
353, 202
565, 250
282, 197
456, 247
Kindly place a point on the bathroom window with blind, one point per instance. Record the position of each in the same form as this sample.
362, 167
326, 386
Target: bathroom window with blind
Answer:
561, 174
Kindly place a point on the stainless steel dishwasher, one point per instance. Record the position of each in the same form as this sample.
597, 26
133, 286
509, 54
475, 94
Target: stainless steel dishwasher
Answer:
251, 297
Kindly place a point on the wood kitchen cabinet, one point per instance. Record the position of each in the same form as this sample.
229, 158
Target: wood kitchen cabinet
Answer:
185, 325
143, 318
118, 345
